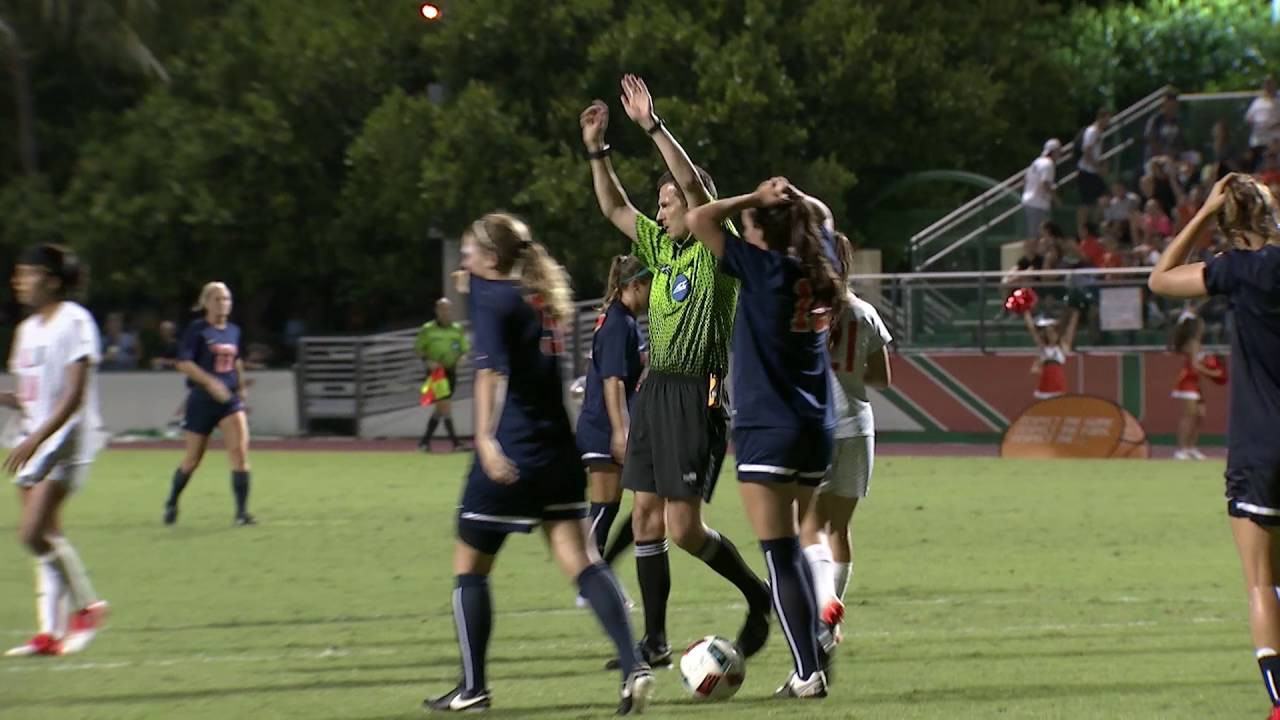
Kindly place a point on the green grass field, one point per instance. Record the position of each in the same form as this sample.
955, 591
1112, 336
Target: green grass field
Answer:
982, 589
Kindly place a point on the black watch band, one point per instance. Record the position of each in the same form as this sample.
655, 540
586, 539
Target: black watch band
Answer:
656, 126
600, 154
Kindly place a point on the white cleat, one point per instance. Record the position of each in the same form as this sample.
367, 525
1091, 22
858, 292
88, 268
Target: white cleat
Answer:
813, 688
1196, 454
84, 626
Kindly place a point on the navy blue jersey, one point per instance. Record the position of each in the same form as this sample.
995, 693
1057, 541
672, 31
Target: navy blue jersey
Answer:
214, 349
615, 353
513, 338
779, 344
1251, 281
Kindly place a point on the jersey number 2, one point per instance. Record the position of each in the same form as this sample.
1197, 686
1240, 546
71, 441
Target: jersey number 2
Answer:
805, 318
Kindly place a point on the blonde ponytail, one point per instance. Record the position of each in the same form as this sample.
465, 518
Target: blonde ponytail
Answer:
518, 255
206, 295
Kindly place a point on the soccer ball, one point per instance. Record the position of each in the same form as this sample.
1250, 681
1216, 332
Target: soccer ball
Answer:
712, 669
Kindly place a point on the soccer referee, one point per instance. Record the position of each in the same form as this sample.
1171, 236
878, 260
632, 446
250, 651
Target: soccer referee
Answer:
679, 424
442, 343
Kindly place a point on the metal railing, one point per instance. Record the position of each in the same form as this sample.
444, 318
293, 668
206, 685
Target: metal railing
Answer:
1010, 189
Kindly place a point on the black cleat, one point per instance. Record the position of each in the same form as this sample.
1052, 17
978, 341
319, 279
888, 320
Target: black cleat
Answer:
170, 514
754, 633
654, 657
637, 691
459, 699
245, 518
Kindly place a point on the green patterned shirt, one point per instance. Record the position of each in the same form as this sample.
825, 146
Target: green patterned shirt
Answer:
691, 303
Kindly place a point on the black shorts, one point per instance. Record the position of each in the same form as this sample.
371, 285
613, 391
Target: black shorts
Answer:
554, 490
1254, 494
678, 438
1092, 188
203, 413
800, 455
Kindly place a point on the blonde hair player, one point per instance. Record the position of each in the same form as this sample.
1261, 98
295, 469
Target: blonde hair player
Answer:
55, 351
209, 355
1248, 275
859, 358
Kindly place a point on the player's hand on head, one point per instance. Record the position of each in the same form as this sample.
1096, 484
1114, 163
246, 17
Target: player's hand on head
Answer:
1218, 195
495, 463
774, 191
594, 121
637, 101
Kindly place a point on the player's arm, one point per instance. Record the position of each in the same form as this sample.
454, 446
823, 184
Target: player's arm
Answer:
67, 404
496, 464
245, 381
1170, 277
879, 375
707, 222
638, 103
615, 404
613, 201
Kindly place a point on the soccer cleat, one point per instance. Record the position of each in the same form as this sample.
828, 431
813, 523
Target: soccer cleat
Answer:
245, 519
1196, 454
459, 699
170, 514
1275, 714
42, 644
637, 691
812, 689
833, 612
83, 627
654, 657
1182, 454
754, 633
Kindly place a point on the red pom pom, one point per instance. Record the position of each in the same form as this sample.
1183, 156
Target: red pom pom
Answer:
1215, 362
1022, 300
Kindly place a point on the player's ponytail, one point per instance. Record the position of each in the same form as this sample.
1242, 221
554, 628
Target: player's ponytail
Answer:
795, 229
1249, 211
206, 295
624, 270
519, 255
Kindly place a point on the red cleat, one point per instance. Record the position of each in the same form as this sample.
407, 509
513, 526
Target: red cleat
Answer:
833, 612
1275, 714
83, 626
42, 644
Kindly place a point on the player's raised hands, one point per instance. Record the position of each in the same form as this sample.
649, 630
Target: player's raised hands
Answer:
594, 121
775, 191
638, 103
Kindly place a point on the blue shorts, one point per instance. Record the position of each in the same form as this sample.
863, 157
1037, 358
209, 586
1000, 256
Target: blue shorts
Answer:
801, 455
556, 490
203, 413
593, 444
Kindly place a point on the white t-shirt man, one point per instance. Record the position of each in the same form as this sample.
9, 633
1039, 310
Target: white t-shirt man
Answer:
41, 353
1090, 150
1040, 177
1263, 117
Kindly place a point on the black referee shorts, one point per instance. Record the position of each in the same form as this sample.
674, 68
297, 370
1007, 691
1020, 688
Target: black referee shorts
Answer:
678, 438
1254, 493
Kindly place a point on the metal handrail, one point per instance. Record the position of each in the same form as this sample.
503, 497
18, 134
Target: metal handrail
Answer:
984, 199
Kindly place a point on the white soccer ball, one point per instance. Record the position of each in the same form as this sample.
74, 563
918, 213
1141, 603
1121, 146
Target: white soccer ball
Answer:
712, 669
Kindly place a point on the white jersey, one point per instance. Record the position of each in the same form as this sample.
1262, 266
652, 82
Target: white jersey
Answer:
862, 334
39, 359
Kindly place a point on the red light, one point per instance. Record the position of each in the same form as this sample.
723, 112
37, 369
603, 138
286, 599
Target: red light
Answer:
429, 11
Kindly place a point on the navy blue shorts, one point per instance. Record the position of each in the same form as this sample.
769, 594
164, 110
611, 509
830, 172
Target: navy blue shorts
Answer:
1254, 493
801, 455
203, 413
556, 490
593, 444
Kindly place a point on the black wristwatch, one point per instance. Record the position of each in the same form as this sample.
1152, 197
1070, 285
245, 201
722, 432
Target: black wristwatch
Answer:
656, 126
600, 154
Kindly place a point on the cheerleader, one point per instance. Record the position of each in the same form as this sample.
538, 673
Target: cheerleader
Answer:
1187, 337
1050, 365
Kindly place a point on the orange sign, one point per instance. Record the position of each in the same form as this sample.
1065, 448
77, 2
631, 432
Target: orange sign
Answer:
1075, 426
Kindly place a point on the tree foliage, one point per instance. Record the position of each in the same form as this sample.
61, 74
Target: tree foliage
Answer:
313, 154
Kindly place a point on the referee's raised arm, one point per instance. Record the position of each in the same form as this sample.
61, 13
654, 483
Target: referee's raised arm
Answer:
638, 103
614, 204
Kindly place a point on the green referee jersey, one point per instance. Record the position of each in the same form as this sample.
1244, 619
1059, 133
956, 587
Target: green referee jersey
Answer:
691, 303
444, 344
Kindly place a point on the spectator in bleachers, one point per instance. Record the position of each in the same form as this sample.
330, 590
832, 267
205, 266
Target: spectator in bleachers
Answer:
1038, 193
1186, 210
1263, 118
120, 347
1114, 254
1122, 207
1093, 171
1157, 226
1091, 247
1164, 130
166, 355
1223, 159
1160, 183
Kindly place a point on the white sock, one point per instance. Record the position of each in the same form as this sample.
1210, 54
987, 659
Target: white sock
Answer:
842, 572
818, 556
82, 593
49, 592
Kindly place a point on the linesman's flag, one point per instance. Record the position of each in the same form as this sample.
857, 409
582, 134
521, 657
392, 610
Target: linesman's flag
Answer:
435, 388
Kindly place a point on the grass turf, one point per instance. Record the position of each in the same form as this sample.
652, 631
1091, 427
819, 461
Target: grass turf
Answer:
982, 589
